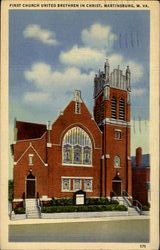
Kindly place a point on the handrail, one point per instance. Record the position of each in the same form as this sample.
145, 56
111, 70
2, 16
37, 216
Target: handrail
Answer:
137, 202
117, 197
39, 206
133, 200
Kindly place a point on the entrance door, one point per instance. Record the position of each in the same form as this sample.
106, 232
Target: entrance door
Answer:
116, 187
30, 186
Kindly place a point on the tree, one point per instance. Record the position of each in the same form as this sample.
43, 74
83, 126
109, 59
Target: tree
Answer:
10, 190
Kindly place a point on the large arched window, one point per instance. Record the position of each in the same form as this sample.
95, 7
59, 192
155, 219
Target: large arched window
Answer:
77, 147
113, 107
121, 109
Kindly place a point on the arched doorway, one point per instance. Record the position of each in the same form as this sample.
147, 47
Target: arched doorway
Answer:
116, 185
30, 186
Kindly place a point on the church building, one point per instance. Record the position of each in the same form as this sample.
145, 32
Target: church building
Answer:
78, 151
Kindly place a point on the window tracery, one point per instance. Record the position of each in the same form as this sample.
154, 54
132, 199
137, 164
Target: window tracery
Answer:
77, 147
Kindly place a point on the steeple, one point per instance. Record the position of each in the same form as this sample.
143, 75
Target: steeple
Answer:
106, 70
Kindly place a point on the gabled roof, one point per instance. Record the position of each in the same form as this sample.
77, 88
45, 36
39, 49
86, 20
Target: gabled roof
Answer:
28, 130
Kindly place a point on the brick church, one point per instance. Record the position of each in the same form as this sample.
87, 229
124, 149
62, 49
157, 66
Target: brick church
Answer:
78, 151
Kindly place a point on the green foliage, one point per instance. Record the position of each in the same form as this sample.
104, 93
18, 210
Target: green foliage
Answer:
85, 208
97, 201
10, 190
145, 208
19, 210
61, 202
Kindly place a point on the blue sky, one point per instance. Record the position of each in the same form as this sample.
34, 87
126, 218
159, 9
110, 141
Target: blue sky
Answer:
54, 52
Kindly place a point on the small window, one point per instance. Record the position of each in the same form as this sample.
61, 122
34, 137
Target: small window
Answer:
65, 184
30, 159
147, 185
121, 109
88, 185
113, 107
77, 184
77, 108
117, 161
118, 134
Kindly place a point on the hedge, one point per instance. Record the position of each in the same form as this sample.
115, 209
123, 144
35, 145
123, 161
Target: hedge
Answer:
19, 210
89, 208
89, 201
145, 208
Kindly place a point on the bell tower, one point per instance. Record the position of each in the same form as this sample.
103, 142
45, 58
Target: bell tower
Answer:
112, 115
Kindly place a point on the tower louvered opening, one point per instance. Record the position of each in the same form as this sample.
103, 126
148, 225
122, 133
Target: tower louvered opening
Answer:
113, 107
121, 109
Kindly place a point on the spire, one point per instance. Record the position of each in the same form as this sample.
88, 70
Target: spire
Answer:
128, 78
106, 69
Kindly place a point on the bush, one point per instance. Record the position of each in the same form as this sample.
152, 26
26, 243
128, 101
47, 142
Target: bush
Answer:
61, 202
19, 210
10, 190
114, 202
97, 201
85, 208
145, 208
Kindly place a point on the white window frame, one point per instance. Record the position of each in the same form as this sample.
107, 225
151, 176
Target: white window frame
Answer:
85, 189
117, 131
114, 162
30, 158
74, 180
65, 190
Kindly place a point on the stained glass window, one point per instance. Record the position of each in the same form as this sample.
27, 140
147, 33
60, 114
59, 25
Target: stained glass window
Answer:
66, 184
88, 185
77, 184
77, 147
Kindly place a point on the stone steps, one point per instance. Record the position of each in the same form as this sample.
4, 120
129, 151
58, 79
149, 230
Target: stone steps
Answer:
32, 210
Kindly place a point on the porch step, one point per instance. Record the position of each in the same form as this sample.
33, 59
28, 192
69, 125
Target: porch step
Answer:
32, 210
132, 211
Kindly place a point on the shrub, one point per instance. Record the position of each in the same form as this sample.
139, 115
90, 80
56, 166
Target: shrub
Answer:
114, 202
10, 190
19, 210
145, 208
62, 202
85, 208
97, 201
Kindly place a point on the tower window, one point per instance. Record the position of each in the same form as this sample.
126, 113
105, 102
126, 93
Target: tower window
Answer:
118, 134
121, 109
77, 108
117, 161
113, 107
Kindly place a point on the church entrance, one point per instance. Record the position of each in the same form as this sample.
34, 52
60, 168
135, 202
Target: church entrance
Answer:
116, 185
30, 186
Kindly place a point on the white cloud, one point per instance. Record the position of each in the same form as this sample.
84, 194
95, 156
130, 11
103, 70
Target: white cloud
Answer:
82, 57
98, 36
36, 32
55, 85
137, 92
37, 97
45, 77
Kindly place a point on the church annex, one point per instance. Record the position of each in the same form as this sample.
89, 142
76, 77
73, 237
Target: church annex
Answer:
78, 151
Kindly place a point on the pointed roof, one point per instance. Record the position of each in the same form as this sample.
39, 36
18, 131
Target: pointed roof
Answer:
28, 130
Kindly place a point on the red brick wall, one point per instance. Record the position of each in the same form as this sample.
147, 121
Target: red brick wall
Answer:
21, 171
65, 122
112, 146
139, 178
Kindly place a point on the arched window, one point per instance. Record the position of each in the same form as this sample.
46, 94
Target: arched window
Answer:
117, 161
121, 109
77, 147
113, 107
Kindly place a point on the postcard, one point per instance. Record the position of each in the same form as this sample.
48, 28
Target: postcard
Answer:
80, 125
